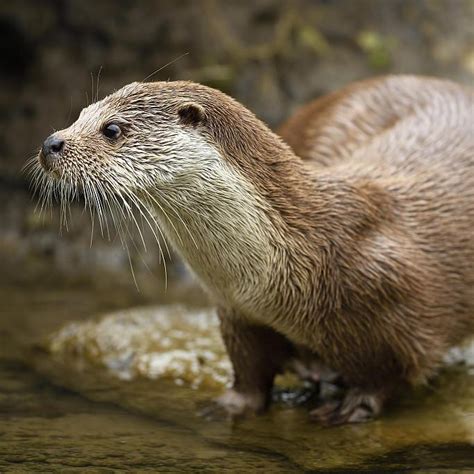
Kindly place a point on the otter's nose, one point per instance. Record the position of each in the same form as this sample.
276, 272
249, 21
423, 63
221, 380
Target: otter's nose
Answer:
51, 151
52, 146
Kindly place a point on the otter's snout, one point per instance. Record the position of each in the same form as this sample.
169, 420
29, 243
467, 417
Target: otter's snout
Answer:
51, 151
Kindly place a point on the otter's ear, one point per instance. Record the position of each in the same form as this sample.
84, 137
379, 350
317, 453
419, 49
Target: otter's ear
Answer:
191, 113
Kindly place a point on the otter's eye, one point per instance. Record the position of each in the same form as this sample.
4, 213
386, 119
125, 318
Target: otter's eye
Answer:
112, 131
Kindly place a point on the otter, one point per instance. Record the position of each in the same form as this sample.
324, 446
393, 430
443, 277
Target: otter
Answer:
349, 235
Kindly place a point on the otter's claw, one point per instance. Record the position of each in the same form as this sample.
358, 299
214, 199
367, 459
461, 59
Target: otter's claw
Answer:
356, 407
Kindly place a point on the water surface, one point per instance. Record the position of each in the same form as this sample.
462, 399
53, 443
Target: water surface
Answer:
57, 416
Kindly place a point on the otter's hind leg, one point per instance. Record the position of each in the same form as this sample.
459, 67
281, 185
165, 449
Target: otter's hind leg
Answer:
257, 354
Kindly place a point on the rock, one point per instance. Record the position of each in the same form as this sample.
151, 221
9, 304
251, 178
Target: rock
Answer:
170, 343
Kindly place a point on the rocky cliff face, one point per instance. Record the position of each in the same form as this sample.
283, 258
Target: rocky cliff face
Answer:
270, 55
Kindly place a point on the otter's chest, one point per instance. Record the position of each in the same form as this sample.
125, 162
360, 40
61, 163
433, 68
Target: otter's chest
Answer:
233, 262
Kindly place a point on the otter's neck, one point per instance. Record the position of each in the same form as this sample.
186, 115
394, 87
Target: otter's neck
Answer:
223, 231
256, 228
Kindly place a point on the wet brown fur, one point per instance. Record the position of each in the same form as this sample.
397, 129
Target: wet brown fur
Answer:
380, 253
371, 231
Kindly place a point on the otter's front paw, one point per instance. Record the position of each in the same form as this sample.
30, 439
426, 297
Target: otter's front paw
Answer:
356, 407
234, 404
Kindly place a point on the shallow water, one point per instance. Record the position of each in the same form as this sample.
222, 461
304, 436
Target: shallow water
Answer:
56, 416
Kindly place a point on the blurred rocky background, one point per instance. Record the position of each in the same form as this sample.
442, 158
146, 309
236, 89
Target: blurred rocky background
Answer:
271, 55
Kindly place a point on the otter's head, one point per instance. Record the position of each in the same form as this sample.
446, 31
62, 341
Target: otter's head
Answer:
193, 154
171, 141
146, 145
141, 136
165, 136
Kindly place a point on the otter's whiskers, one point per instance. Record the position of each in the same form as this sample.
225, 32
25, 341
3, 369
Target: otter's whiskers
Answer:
103, 199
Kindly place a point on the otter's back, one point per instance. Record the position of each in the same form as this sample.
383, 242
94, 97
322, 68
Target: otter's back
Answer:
394, 120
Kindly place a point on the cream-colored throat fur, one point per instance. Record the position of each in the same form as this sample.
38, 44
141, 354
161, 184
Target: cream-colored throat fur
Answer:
219, 226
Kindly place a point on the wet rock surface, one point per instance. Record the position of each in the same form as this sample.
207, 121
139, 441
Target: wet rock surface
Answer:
64, 409
173, 343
